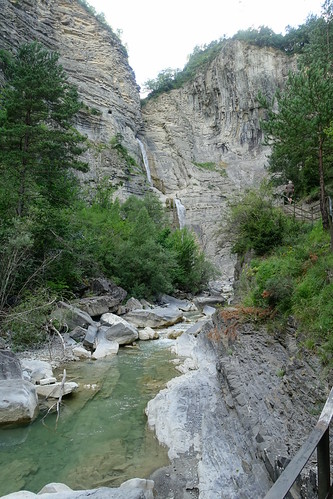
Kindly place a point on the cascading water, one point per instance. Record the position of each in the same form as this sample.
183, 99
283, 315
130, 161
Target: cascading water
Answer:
181, 211
145, 161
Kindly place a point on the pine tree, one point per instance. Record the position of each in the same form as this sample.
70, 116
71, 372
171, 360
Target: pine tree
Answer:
38, 145
298, 121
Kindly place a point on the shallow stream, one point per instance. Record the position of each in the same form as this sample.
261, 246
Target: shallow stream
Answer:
102, 438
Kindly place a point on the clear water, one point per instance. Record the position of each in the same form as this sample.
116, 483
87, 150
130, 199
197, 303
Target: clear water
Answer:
102, 436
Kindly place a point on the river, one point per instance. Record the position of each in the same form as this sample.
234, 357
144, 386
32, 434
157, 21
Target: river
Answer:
102, 438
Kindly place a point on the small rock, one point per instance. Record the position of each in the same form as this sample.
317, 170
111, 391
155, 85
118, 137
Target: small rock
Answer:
81, 352
47, 381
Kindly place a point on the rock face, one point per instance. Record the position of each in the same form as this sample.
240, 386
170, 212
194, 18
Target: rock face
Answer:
237, 416
212, 121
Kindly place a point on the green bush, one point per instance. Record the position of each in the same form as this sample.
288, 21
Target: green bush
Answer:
25, 324
193, 271
255, 224
297, 280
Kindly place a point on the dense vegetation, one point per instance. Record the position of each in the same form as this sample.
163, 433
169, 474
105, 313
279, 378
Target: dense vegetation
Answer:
287, 269
52, 241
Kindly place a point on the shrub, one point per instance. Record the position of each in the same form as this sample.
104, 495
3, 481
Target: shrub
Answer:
255, 224
25, 323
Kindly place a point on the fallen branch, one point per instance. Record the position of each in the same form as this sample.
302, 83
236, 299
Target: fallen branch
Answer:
60, 396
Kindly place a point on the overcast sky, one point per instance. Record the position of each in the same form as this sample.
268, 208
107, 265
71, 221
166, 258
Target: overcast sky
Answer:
160, 35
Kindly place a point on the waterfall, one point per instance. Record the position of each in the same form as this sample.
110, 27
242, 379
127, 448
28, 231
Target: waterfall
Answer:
180, 213
145, 161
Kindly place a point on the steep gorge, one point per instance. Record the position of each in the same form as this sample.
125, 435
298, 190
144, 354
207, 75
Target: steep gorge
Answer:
203, 141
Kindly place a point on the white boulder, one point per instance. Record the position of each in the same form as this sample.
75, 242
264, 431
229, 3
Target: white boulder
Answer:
18, 401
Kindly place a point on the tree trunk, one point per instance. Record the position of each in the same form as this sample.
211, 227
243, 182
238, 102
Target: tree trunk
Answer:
323, 206
23, 180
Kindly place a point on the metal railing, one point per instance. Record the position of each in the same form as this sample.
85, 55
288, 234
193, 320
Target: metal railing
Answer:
318, 439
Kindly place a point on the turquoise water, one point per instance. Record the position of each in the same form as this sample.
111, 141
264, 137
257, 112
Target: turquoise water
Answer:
102, 437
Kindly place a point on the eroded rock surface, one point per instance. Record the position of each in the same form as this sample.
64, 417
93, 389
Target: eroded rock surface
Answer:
244, 406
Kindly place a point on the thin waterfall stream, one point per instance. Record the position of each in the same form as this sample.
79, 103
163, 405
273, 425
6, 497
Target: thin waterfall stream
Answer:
145, 161
181, 213
102, 438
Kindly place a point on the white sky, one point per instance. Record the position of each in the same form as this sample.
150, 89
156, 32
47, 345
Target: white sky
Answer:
160, 35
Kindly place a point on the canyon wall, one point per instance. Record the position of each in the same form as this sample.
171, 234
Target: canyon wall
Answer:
203, 141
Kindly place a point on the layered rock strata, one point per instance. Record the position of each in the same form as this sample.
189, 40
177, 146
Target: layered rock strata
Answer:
204, 140
96, 62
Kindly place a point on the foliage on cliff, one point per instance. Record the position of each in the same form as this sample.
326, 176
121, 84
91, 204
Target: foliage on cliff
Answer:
294, 41
298, 123
287, 269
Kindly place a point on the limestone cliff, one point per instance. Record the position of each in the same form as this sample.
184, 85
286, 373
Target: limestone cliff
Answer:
203, 141
213, 119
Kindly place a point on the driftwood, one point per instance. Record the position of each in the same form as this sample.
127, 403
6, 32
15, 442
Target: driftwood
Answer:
50, 328
57, 404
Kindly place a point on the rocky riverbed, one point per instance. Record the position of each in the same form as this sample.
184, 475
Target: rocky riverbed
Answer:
243, 405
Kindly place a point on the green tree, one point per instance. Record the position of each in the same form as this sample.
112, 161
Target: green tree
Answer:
193, 270
297, 121
297, 131
255, 224
38, 144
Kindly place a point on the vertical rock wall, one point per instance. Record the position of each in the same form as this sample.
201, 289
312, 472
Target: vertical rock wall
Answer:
96, 62
204, 140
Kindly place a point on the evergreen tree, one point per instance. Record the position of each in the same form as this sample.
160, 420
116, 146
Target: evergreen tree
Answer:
297, 123
38, 145
297, 132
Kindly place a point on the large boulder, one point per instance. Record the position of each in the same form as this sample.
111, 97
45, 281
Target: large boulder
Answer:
90, 337
10, 367
101, 286
184, 305
155, 317
98, 305
78, 333
18, 402
104, 348
202, 301
72, 316
114, 328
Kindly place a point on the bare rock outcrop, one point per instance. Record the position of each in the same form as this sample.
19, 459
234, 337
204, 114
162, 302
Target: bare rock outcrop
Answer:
204, 140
